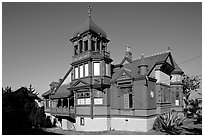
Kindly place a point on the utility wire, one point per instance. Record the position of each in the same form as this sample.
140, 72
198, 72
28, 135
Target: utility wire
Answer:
190, 59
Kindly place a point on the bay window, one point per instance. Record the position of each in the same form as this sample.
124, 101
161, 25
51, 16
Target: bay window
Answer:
81, 71
96, 68
76, 72
107, 70
86, 66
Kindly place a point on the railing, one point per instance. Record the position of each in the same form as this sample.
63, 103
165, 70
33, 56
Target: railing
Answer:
62, 111
89, 53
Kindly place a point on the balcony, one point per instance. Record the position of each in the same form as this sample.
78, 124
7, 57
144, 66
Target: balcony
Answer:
62, 111
94, 54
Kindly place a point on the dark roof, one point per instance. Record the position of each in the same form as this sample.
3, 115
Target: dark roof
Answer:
62, 92
89, 25
54, 83
47, 93
133, 69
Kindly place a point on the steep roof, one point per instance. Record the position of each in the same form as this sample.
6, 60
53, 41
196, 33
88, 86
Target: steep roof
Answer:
62, 92
89, 25
177, 69
133, 67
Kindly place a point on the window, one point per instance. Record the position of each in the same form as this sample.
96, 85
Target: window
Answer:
98, 46
96, 68
65, 102
47, 103
76, 70
80, 46
59, 103
98, 101
107, 70
81, 71
83, 98
75, 49
93, 45
86, 45
177, 95
177, 99
103, 47
81, 121
86, 69
128, 101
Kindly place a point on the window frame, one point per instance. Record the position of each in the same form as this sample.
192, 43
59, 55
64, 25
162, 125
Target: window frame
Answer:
76, 72
81, 71
99, 68
86, 72
82, 121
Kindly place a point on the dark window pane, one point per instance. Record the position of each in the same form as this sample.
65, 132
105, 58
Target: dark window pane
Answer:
93, 45
86, 45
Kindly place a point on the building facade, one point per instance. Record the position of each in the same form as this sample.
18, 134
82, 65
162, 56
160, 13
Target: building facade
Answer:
96, 95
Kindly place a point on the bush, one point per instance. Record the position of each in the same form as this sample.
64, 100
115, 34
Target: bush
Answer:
168, 122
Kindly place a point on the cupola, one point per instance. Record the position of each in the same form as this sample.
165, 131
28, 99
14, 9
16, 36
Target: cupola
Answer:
89, 26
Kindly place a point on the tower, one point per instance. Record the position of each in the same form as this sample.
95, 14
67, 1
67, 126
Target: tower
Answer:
91, 75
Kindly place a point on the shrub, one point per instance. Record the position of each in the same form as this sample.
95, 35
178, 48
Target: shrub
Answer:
168, 122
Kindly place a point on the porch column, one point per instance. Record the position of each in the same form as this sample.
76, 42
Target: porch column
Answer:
92, 102
75, 102
68, 103
89, 42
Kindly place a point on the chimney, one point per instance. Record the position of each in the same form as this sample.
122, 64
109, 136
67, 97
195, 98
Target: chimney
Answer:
142, 66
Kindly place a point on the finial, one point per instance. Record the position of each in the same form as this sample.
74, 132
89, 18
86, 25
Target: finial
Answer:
127, 48
142, 52
89, 11
169, 49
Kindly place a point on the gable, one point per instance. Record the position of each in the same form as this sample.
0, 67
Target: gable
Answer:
169, 60
79, 83
125, 61
124, 75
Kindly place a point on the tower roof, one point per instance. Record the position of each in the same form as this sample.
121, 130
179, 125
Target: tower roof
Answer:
89, 25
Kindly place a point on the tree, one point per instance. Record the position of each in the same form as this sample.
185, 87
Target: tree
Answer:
190, 84
20, 110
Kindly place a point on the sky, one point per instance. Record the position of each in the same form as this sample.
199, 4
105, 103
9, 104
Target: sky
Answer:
35, 36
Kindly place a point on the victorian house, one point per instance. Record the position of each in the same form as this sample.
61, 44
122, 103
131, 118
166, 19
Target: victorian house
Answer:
96, 95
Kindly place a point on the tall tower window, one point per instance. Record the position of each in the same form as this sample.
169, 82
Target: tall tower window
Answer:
96, 68
86, 69
98, 46
93, 45
80, 46
107, 70
128, 102
86, 45
76, 72
103, 47
75, 49
81, 71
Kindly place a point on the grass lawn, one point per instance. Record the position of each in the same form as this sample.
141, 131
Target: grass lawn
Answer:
188, 128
